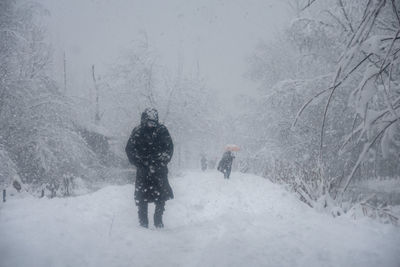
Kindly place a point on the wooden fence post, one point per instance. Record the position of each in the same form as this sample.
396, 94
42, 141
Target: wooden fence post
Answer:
4, 195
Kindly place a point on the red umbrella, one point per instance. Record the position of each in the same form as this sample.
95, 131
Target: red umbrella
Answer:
232, 147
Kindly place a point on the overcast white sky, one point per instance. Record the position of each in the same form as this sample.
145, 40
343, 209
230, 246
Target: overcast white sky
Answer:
218, 34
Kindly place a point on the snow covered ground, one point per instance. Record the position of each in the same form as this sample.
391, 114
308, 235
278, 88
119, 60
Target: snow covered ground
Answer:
244, 221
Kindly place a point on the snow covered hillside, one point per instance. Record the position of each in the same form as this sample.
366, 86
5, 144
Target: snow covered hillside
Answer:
244, 221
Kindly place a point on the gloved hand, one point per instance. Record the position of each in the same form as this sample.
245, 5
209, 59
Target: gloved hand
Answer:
142, 163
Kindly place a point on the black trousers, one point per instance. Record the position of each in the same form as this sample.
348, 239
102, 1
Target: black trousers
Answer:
143, 213
227, 173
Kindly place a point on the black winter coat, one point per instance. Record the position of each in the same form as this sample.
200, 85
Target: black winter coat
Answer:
150, 149
226, 161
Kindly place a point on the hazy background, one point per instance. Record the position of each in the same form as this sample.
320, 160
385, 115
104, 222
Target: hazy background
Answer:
214, 37
219, 72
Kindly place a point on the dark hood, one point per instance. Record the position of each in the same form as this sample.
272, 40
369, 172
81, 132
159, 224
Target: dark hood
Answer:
149, 114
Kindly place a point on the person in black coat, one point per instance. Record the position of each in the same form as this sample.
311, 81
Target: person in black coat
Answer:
149, 149
225, 164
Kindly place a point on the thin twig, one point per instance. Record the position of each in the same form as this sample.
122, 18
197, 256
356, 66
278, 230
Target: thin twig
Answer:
395, 11
310, 2
336, 19
345, 15
363, 153
306, 104
326, 90
325, 112
387, 98
390, 48
375, 14
361, 23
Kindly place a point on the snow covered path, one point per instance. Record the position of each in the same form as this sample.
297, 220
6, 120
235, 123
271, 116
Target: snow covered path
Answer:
244, 221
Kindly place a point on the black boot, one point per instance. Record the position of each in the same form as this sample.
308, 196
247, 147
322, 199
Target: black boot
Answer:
142, 212
158, 214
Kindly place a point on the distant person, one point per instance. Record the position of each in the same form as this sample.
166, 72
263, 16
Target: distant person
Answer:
225, 164
203, 162
150, 149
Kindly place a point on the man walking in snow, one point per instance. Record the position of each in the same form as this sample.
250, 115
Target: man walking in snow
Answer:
150, 149
225, 164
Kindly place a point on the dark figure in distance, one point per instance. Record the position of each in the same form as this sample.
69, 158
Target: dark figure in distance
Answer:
203, 162
150, 148
225, 164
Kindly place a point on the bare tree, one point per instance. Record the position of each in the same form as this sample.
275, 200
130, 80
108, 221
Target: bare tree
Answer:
369, 60
96, 87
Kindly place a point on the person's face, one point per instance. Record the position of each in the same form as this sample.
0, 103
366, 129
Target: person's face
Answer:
151, 124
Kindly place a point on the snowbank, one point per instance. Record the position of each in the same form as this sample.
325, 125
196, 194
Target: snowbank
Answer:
244, 221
